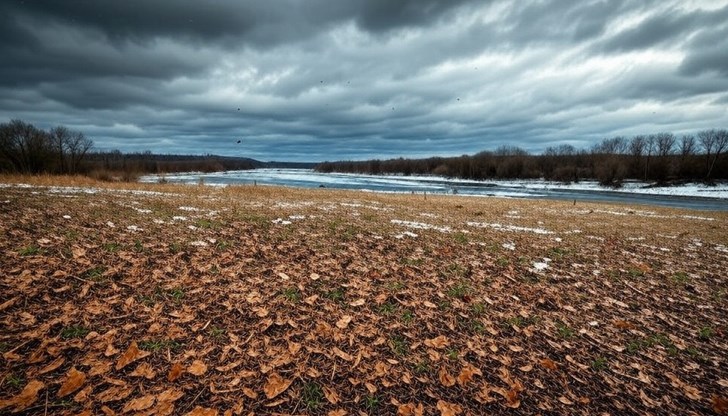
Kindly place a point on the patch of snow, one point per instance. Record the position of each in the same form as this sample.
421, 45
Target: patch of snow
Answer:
558, 239
191, 227
188, 209
297, 217
281, 221
68, 217
508, 227
721, 248
179, 218
199, 243
509, 246
143, 210
110, 224
421, 226
134, 228
540, 266
158, 221
407, 234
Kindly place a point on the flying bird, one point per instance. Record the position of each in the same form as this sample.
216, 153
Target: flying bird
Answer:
238, 141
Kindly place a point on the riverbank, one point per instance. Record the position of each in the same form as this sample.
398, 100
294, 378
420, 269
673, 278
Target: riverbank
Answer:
162, 298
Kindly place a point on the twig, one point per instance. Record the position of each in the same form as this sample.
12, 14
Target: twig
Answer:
46, 403
194, 400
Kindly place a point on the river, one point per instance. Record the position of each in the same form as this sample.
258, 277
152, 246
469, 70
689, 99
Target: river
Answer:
689, 197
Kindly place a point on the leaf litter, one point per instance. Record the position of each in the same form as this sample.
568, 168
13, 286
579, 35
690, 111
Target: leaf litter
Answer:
326, 316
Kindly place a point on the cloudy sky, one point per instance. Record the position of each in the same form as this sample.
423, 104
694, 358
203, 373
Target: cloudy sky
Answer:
314, 80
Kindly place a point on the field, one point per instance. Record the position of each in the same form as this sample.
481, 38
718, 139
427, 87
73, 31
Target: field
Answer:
163, 299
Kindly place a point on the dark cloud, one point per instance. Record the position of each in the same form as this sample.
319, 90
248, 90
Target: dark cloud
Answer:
322, 79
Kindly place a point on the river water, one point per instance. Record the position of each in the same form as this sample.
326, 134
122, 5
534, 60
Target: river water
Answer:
305, 178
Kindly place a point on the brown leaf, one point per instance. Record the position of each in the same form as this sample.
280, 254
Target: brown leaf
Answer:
52, 366
202, 411
170, 395
438, 342
621, 324
175, 372
549, 364
343, 322
275, 385
140, 403
409, 409
467, 373
114, 393
197, 368
448, 409
358, 302
720, 405
132, 354
331, 395
28, 396
144, 370
341, 354
74, 381
338, 412
445, 378
250, 393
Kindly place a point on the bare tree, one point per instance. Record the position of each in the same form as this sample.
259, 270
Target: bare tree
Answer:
665, 143
77, 146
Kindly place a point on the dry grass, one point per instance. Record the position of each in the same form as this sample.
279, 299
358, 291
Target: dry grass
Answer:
265, 299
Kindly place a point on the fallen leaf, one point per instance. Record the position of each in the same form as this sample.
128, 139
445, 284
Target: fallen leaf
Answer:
331, 395
74, 381
114, 393
202, 411
343, 322
445, 378
720, 405
438, 342
448, 409
144, 370
338, 412
140, 403
175, 372
275, 385
170, 395
53, 365
564, 400
357, 302
250, 393
549, 364
28, 396
409, 409
467, 373
197, 368
341, 354
132, 354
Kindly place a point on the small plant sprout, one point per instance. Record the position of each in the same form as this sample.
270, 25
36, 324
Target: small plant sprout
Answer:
30, 250
452, 354
371, 403
599, 363
312, 395
564, 330
75, 331
705, 332
291, 294
399, 345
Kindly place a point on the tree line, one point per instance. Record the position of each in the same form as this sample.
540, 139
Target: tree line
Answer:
25, 148
660, 157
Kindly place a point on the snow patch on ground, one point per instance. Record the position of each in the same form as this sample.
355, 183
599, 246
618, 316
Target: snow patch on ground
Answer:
190, 209
508, 227
134, 228
405, 234
421, 226
509, 246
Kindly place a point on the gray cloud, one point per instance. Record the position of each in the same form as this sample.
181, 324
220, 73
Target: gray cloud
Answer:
324, 79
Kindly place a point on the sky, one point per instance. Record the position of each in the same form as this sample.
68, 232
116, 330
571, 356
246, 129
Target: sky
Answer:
315, 80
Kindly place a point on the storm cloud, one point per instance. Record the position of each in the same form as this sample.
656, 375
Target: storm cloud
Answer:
325, 80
